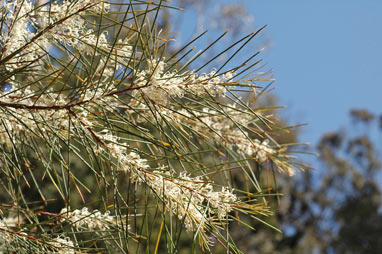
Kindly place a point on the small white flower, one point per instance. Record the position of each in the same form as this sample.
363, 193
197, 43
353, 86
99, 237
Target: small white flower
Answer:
63, 245
83, 219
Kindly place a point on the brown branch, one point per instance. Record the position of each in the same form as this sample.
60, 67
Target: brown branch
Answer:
68, 106
37, 107
127, 89
99, 140
21, 234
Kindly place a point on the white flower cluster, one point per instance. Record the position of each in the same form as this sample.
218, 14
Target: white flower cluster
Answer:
24, 111
34, 29
64, 245
219, 201
19, 35
162, 85
260, 150
10, 222
69, 26
223, 127
220, 127
184, 195
82, 219
31, 32
133, 164
15, 120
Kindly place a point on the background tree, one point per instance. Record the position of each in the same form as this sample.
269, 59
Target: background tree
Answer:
337, 207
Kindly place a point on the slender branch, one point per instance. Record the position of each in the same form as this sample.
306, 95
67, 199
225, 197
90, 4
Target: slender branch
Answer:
68, 106
21, 234
99, 140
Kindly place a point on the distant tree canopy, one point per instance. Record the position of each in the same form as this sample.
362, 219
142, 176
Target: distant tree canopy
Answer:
337, 207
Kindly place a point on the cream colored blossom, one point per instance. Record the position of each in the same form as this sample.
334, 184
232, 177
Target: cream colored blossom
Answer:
63, 245
83, 219
183, 195
162, 84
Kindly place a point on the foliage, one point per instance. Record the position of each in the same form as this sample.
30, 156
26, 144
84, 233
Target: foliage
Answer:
337, 207
110, 144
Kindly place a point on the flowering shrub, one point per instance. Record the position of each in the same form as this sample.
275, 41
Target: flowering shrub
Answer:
89, 82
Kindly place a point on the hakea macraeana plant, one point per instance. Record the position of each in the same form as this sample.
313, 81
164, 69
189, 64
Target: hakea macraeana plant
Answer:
136, 120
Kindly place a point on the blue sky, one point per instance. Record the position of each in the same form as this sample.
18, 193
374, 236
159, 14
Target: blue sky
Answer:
326, 57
